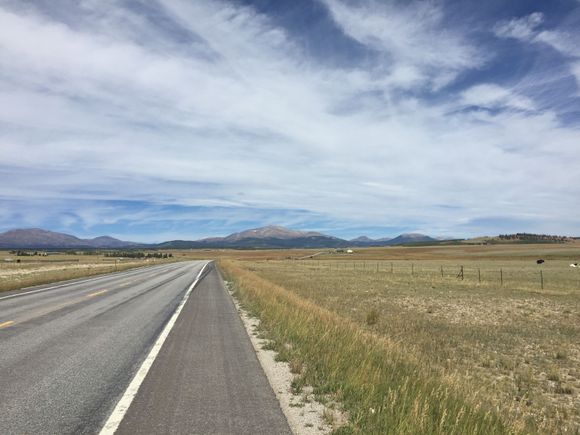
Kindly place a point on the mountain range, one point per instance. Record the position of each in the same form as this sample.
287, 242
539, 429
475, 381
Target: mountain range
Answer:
264, 237
36, 238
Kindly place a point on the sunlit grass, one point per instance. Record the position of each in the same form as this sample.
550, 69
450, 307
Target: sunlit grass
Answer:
383, 387
38, 270
499, 340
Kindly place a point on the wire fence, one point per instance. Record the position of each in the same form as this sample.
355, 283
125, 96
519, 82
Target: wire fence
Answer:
557, 275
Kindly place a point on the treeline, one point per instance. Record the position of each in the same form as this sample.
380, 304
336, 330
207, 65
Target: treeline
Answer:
136, 254
528, 237
28, 253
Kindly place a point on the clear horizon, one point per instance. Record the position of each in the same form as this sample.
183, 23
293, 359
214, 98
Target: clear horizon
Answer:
168, 119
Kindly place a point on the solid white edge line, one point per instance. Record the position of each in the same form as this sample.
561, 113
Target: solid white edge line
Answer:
68, 284
124, 403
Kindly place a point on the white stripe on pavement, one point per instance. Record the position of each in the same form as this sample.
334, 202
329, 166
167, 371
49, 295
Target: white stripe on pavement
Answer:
120, 410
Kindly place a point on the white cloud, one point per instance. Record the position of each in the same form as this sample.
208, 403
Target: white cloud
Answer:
242, 118
494, 96
576, 72
418, 49
523, 28
564, 42
526, 29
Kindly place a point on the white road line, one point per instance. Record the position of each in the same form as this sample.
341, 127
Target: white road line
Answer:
120, 410
114, 274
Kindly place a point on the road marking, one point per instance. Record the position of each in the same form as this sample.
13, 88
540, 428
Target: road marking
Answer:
100, 292
6, 324
120, 410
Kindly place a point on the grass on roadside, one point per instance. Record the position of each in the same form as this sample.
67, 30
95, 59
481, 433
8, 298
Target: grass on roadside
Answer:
382, 388
46, 275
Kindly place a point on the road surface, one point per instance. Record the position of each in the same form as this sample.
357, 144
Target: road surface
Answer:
68, 353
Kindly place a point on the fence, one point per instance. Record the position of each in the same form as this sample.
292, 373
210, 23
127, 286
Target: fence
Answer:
556, 275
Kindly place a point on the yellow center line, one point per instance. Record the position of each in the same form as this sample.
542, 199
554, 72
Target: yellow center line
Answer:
6, 324
90, 295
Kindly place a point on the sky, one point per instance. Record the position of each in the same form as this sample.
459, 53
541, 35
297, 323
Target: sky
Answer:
153, 120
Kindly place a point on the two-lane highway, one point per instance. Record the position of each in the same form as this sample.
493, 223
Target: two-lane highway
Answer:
68, 353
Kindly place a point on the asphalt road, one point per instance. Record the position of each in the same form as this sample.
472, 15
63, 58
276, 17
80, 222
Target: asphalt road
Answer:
67, 354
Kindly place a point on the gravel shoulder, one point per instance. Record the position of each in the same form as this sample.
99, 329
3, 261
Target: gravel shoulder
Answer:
305, 415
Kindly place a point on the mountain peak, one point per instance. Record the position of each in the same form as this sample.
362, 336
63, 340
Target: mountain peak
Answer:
270, 231
364, 239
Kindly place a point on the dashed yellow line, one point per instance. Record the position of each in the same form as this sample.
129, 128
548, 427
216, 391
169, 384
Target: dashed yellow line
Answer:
6, 324
92, 295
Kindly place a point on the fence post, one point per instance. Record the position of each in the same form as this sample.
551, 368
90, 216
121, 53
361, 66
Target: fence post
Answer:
501, 277
391, 267
441, 271
412, 269
479, 275
542, 278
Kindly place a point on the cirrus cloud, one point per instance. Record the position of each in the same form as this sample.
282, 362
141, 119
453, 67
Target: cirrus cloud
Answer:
195, 110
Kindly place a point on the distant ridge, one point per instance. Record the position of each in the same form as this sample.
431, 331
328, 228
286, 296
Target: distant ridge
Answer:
268, 237
280, 237
403, 239
264, 237
36, 238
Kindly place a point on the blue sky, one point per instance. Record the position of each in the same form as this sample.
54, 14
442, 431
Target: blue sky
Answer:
152, 120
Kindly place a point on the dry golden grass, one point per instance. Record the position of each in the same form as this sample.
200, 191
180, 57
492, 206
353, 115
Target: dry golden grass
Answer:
383, 388
514, 347
518, 345
37, 270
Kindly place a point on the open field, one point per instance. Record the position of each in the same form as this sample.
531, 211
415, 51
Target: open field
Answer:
39, 270
511, 349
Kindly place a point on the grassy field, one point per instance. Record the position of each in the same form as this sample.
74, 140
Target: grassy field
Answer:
397, 338
383, 326
39, 270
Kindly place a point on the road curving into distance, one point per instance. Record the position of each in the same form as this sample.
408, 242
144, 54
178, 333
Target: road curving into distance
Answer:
68, 353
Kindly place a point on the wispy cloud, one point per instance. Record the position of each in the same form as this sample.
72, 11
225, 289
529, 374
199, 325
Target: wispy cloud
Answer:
493, 96
529, 29
523, 28
418, 49
195, 110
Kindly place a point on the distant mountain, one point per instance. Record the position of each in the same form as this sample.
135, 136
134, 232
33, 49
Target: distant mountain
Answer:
362, 239
269, 237
108, 242
264, 237
410, 238
36, 238
271, 232
403, 239
277, 237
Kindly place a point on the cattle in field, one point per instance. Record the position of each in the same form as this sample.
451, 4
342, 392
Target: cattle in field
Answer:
540, 261
574, 265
